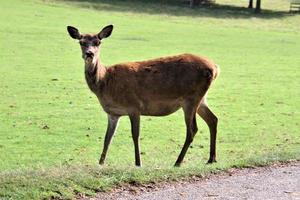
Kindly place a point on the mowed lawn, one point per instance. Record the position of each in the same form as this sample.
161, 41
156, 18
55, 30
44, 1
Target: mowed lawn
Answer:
52, 127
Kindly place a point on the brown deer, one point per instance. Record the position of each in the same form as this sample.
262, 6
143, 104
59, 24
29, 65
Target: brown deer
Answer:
155, 87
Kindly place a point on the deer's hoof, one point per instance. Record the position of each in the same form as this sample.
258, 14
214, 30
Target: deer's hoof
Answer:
101, 162
177, 164
211, 161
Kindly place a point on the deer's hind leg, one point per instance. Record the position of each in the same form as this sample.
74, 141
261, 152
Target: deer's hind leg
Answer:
212, 121
189, 109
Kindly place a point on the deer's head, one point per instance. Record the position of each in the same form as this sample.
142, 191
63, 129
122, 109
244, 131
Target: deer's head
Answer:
90, 43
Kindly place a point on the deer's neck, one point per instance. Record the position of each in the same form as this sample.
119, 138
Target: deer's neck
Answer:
94, 74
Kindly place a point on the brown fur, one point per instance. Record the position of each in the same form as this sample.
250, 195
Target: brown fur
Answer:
155, 87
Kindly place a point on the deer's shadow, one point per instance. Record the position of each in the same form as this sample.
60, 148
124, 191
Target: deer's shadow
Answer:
177, 8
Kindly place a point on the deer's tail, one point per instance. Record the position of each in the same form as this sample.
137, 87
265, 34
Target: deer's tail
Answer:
216, 72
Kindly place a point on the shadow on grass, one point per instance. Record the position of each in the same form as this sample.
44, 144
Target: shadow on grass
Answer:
176, 8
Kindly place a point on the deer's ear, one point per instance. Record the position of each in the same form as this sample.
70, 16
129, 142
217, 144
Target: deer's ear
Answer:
105, 32
74, 33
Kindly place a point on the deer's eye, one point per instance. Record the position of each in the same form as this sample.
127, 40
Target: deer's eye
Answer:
96, 43
85, 44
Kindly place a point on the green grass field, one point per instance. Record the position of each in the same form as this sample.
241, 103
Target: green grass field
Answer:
52, 127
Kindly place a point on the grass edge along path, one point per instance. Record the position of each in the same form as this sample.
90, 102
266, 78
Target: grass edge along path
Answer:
84, 180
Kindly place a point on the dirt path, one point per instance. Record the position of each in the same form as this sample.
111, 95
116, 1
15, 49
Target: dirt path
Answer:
275, 182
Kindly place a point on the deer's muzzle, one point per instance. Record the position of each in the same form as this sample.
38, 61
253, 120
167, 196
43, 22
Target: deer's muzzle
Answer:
89, 54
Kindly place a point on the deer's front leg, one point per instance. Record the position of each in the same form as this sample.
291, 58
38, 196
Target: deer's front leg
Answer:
135, 130
111, 128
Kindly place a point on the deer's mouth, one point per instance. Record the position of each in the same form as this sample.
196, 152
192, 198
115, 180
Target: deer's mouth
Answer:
88, 59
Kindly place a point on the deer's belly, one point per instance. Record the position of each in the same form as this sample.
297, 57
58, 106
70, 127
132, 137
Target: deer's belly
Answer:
163, 111
160, 108
148, 108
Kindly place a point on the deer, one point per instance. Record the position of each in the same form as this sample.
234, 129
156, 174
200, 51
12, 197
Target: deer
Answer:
156, 87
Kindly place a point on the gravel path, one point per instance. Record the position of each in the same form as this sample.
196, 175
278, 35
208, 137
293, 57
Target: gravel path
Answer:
274, 182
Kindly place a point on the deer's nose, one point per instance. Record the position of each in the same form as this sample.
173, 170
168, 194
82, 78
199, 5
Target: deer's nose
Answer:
89, 54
